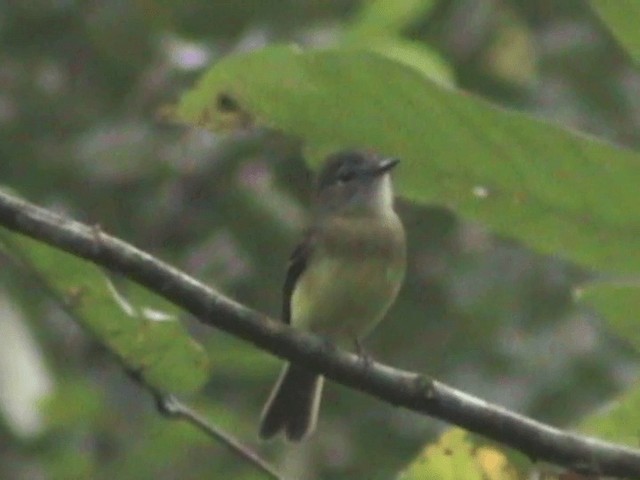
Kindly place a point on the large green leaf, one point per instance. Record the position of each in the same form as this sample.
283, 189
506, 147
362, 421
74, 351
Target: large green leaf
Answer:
413, 54
140, 328
623, 19
558, 191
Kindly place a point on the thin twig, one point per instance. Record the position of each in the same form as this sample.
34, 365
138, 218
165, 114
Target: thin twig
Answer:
410, 390
170, 406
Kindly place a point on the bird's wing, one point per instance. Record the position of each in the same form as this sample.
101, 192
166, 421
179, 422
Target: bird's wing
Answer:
297, 265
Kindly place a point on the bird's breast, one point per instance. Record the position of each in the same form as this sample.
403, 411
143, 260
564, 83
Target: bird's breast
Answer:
350, 281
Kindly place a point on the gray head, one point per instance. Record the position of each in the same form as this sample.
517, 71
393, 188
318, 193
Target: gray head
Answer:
356, 182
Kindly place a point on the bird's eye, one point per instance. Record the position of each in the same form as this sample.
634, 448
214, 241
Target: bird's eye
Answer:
346, 176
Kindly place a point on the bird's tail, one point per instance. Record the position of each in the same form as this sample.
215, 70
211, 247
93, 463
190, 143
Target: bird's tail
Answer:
293, 404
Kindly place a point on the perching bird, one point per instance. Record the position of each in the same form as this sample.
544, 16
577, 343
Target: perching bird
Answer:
341, 279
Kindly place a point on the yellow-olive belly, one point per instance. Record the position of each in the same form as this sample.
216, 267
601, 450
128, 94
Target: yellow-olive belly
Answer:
345, 297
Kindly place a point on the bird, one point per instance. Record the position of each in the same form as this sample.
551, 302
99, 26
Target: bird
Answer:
341, 278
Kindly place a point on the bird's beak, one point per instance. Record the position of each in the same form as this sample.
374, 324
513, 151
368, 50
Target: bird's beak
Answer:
385, 166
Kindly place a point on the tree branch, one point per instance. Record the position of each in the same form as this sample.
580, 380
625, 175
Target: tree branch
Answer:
406, 389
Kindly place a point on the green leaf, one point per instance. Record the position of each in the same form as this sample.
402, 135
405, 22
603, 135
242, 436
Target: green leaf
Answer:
139, 327
74, 405
622, 17
385, 17
377, 27
454, 456
62, 464
558, 191
415, 55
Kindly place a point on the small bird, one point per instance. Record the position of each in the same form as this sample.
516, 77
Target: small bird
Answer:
341, 279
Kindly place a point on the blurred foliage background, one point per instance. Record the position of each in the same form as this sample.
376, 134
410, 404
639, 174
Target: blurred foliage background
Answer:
82, 89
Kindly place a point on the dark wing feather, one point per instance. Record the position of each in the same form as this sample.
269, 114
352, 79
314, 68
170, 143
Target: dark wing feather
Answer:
297, 264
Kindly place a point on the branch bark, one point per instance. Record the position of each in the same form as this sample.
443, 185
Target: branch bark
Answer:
401, 388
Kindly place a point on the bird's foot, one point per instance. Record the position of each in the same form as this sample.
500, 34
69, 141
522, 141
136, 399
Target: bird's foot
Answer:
364, 356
